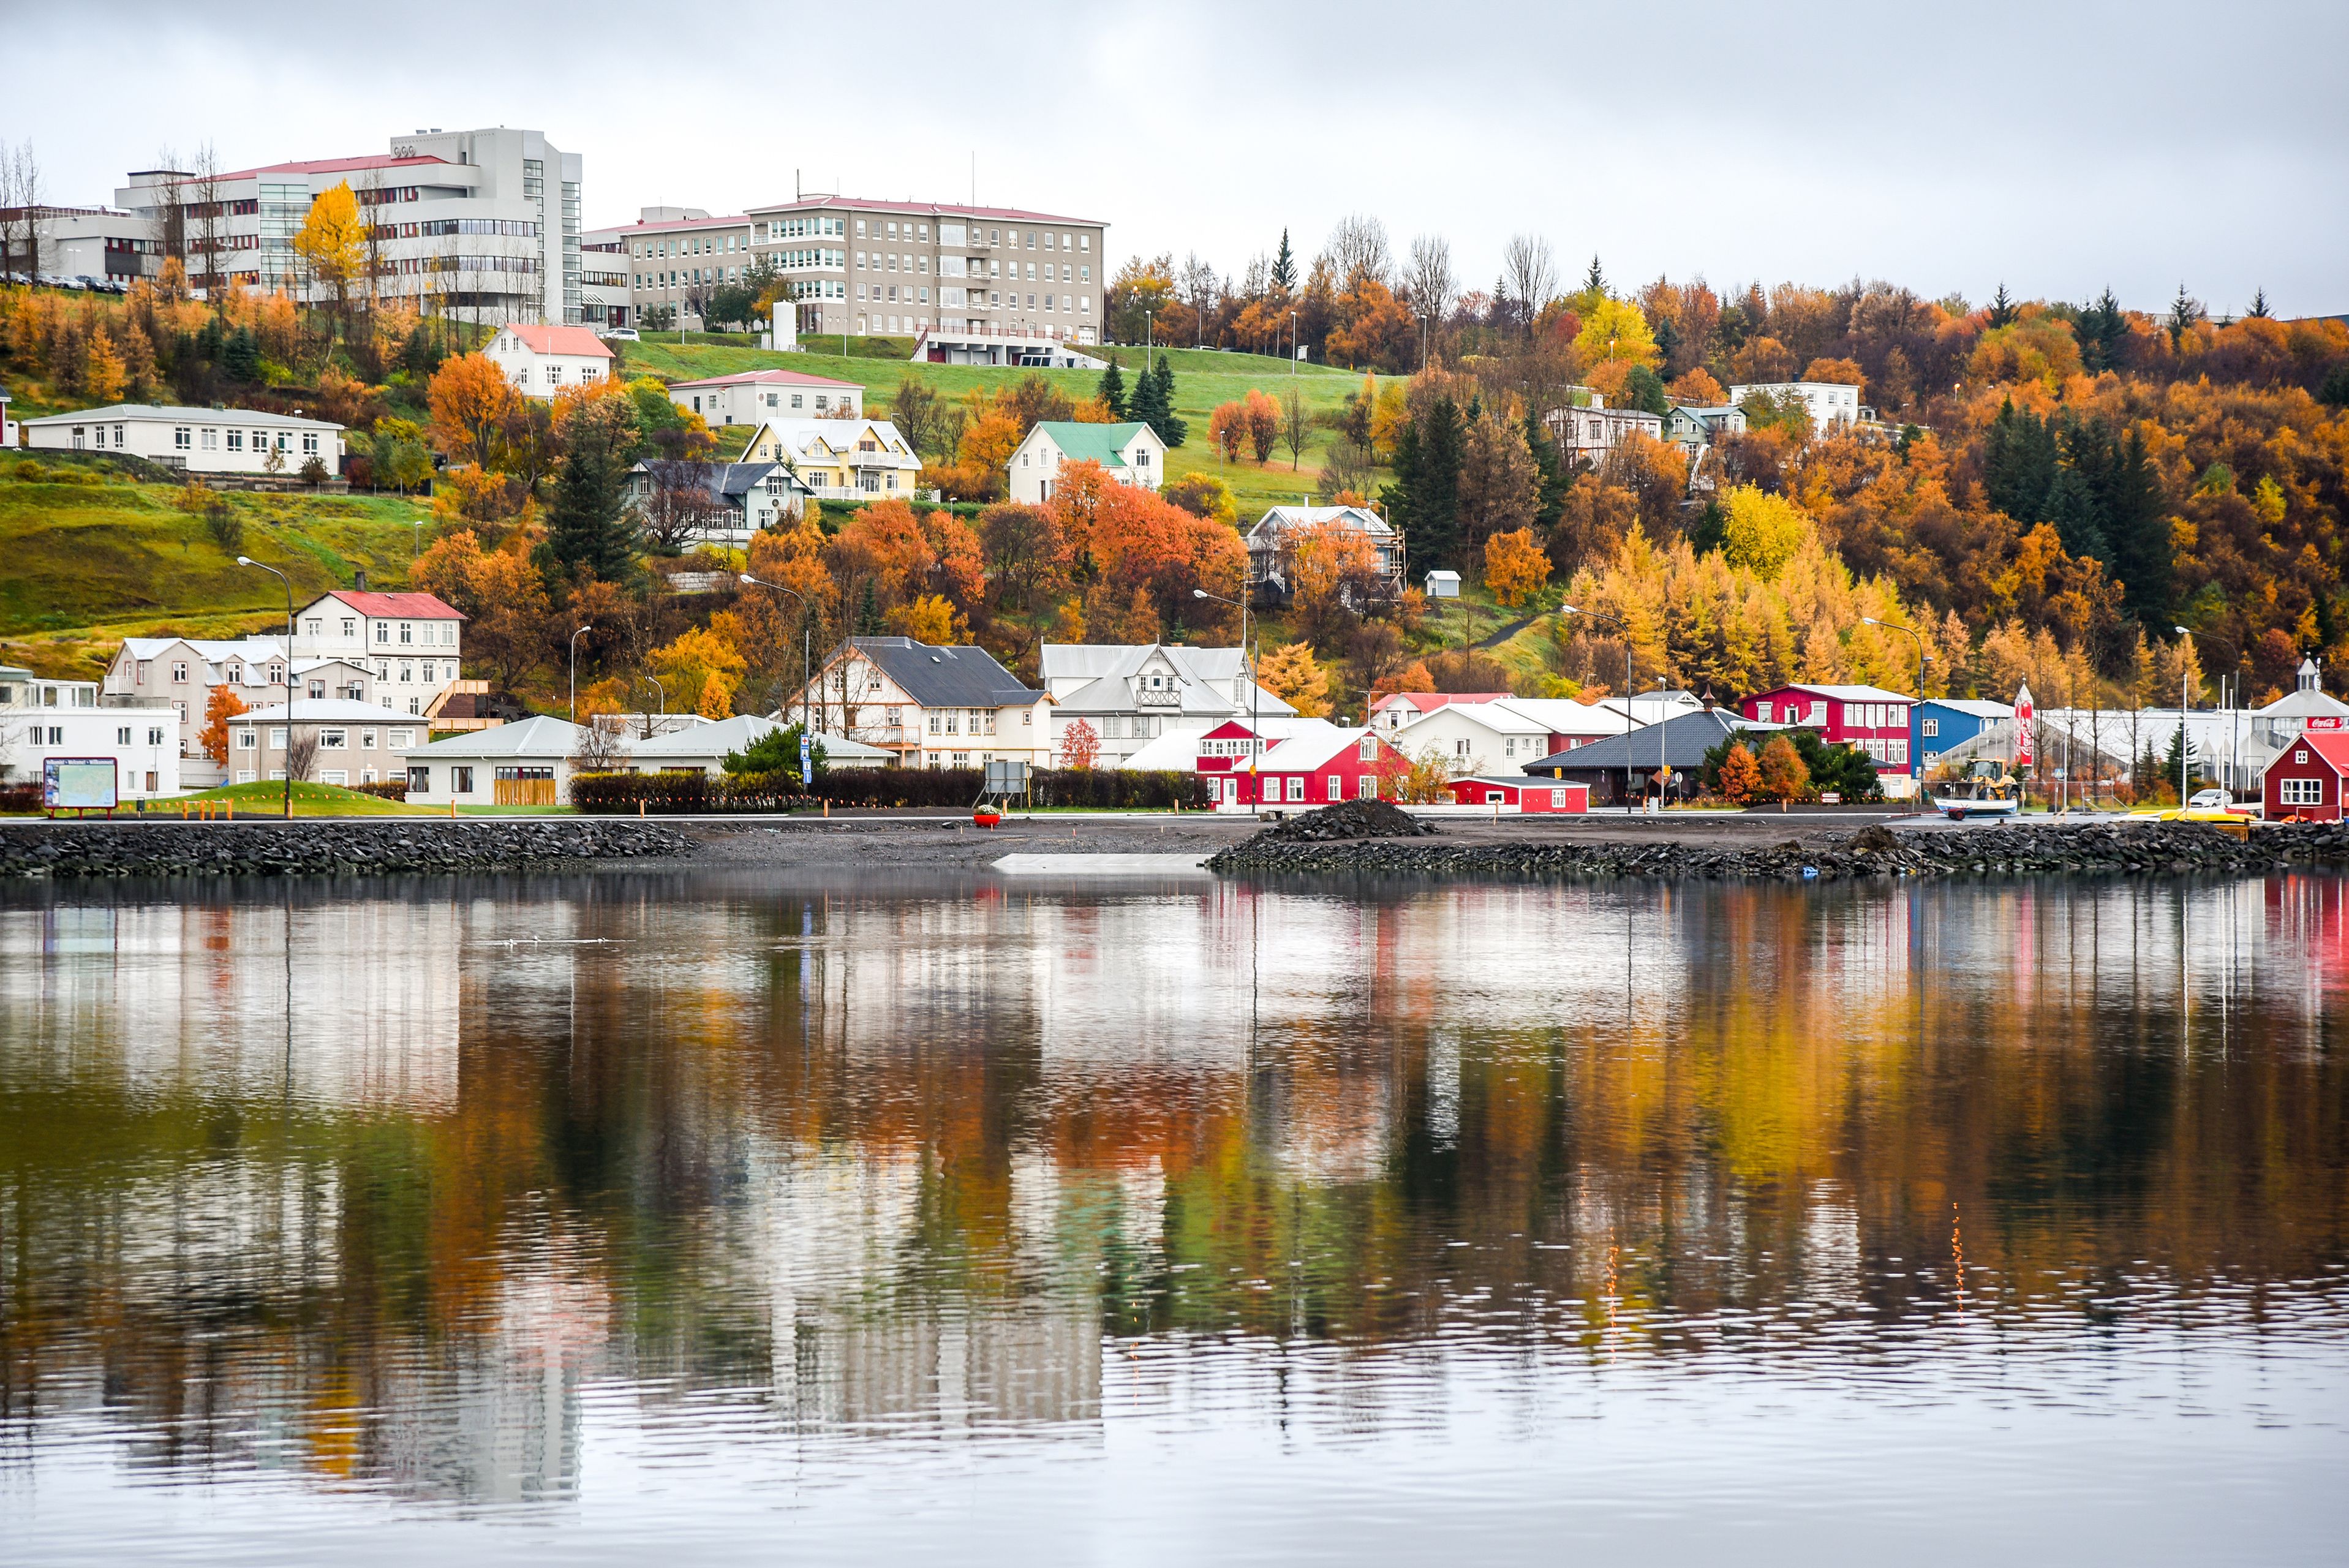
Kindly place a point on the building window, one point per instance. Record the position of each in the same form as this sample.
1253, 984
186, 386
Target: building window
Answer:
383, 632
178, 675
2300, 791
1933, 727
180, 437
1297, 786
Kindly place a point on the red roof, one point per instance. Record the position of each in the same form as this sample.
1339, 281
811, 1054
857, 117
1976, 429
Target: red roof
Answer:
768, 379
580, 340
339, 165
399, 606
1429, 701
2330, 745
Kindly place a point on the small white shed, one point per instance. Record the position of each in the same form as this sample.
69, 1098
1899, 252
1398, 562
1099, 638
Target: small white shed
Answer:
1443, 584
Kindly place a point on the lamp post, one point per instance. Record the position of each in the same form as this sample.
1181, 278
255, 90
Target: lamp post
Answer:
664, 701
1292, 343
575, 635
2235, 654
1256, 742
806, 652
1663, 769
1631, 715
1910, 633
249, 561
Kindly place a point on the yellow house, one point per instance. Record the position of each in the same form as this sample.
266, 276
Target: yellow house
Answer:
854, 460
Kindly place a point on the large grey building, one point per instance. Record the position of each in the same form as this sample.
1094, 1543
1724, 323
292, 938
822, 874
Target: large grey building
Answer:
484, 223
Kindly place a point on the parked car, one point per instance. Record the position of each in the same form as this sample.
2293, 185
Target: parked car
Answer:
2210, 801
621, 334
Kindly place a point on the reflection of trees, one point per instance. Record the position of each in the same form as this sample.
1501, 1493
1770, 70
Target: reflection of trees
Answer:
886, 1156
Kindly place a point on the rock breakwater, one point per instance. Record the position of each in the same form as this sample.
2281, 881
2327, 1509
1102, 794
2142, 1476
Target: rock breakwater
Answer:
322, 847
2131, 849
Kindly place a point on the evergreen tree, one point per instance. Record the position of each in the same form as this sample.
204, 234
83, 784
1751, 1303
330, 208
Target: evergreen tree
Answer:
1435, 487
2184, 312
240, 358
2102, 330
2259, 311
1644, 389
1284, 266
1594, 284
1112, 391
2002, 309
2018, 464
588, 529
1397, 496
868, 613
1142, 405
2335, 388
1551, 480
2169, 758
1154, 405
2071, 508
2137, 524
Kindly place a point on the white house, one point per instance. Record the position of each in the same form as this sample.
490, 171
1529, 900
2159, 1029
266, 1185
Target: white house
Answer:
704, 748
1265, 541
852, 458
729, 501
1589, 432
542, 360
1130, 453
931, 706
41, 717
523, 763
411, 642
1830, 402
1475, 738
197, 441
752, 396
354, 742
1694, 427
1133, 695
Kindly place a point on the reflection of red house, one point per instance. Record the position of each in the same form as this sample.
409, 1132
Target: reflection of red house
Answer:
1313, 767
1519, 793
2306, 782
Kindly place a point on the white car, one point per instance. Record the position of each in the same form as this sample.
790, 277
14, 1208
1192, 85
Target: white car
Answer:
2211, 800
622, 334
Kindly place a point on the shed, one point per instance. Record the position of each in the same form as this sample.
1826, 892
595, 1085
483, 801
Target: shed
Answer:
1516, 792
524, 764
1443, 584
2307, 779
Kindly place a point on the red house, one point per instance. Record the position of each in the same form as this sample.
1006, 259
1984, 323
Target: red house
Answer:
1316, 766
1516, 792
2306, 782
1869, 718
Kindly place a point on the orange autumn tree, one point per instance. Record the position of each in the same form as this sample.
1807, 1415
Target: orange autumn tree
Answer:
1784, 775
1227, 428
471, 400
1292, 674
218, 709
1515, 567
1124, 541
1080, 746
1741, 775
1263, 424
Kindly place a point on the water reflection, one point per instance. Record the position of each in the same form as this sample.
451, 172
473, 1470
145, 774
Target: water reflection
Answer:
510, 1195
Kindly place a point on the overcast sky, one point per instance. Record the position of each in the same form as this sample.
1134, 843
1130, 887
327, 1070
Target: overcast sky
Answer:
2058, 147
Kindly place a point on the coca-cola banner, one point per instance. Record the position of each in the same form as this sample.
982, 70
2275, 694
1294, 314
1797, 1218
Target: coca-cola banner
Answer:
2023, 726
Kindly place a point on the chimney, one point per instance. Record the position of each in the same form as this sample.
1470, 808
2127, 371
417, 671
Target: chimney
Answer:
358, 580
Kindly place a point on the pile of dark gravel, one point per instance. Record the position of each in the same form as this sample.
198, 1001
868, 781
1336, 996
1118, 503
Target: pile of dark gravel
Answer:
323, 847
1347, 820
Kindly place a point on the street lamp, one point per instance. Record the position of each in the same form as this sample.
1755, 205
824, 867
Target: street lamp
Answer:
2183, 706
1292, 343
806, 654
575, 670
1911, 632
1256, 742
1631, 714
249, 561
2235, 656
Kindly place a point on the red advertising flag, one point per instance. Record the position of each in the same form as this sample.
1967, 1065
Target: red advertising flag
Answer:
2023, 726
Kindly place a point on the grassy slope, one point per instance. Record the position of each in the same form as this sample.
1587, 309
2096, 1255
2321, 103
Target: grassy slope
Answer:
1203, 378
84, 565
309, 800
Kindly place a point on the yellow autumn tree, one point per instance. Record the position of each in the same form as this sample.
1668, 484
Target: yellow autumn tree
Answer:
1515, 566
332, 244
1761, 531
102, 375
1741, 775
1292, 674
701, 670
931, 619
1613, 330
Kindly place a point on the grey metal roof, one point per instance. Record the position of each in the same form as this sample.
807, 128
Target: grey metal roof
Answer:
537, 735
945, 677
1684, 741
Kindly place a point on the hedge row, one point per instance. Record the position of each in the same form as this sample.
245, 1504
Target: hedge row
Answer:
951, 788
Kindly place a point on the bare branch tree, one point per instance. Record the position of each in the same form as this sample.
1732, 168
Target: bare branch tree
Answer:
1432, 284
679, 505
204, 187
1295, 424
1358, 249
300, 754
602, 746
168, 225
20, 218
1529, 273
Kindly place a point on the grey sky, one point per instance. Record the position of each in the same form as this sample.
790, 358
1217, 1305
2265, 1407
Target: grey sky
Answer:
2057, 148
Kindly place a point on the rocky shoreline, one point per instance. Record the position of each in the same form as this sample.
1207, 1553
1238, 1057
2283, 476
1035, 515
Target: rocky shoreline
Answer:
318, 847
2142, 848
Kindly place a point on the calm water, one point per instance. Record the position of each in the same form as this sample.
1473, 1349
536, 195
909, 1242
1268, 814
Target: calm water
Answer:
703, 1220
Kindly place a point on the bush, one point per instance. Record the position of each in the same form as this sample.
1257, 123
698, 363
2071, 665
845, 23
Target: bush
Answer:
387, 789
20, 796
934, 788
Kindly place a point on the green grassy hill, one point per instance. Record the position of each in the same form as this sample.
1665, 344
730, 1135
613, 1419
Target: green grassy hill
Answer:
1203, 378
89, 557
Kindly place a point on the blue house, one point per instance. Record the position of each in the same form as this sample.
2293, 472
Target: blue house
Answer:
1939, 724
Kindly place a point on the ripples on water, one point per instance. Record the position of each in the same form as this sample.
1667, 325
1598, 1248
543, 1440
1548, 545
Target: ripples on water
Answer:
638, 1215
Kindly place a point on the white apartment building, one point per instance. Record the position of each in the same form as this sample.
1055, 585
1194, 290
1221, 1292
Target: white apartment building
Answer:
180, 674
42, 718
356, 742
673, 255
906, 268
411, 642
484, 223
197, 441
750, 396
94, 243
542, 360
1831, 403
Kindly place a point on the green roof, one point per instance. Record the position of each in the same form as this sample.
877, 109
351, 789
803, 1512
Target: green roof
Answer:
1082, 443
